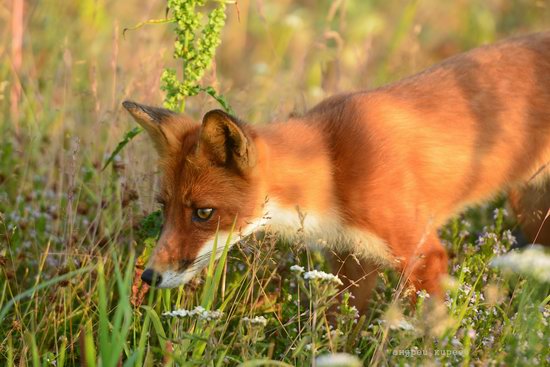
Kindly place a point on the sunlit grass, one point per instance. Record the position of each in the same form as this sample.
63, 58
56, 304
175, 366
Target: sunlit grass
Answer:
69, 232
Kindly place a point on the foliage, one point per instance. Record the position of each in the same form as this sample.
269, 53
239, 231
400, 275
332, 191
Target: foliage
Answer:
196, 52
68, 230
125, 140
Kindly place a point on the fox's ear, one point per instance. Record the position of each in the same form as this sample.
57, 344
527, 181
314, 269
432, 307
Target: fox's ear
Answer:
226, 142
151, 119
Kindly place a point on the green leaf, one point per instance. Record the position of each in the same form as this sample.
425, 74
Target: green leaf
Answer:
147, 22
125, 140
157, 325
219, 98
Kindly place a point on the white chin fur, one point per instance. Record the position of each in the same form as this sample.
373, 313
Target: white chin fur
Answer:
172, 279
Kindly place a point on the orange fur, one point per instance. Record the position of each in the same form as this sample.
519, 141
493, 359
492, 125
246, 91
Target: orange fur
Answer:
388, 166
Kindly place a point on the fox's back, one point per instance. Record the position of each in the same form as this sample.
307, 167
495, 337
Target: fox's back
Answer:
446, 137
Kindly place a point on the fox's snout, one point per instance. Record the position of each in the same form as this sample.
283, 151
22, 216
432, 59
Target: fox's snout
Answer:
151, 277
167, 268
172, 262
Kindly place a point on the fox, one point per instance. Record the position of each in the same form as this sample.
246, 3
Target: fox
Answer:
369, 176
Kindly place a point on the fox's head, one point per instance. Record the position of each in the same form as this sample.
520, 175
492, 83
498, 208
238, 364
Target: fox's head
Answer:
209, 180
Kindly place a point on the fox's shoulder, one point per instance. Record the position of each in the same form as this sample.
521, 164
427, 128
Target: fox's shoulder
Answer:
339, 109
353, 113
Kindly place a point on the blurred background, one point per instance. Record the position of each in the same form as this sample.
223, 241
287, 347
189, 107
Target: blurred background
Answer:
66, 66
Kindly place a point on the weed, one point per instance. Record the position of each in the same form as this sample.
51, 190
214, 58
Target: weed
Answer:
69, 231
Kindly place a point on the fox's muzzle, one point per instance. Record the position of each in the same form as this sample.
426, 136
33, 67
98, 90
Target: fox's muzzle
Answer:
151, 277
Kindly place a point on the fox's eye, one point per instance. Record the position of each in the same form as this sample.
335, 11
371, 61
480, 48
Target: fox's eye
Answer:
202, 214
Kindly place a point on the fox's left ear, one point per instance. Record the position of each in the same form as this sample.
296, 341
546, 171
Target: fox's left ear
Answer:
225, 140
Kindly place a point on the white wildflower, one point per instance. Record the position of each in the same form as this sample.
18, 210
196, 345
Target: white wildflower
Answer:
509, 237
463, 233
321, 275
338, 360
258, 320
176, 313
398, 324
533, 261
422, 294
465, 288
354, 311
198, 312
297, 269
486, 237
210, 315
403, 325
455, 342
498, 211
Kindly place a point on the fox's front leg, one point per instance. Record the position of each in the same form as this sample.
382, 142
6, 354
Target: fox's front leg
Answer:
358, 277
424, 265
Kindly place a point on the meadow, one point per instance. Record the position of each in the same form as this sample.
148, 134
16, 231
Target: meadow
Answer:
73, 231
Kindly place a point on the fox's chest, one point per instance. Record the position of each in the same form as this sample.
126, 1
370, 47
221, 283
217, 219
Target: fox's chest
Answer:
324, 230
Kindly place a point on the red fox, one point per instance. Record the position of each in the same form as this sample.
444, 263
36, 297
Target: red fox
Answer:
369, 173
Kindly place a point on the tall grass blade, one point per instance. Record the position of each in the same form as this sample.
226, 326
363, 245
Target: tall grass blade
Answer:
40, 286
157, 325
89, 351
31, 342
104, 343
215, 272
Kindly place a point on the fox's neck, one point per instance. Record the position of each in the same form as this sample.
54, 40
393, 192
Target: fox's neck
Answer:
297, 168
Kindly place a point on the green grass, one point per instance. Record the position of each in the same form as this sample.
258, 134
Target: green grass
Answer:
70, 231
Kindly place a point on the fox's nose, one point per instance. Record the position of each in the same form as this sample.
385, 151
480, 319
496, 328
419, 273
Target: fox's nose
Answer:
151, 277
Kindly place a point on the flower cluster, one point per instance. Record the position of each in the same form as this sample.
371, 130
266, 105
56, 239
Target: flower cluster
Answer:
399, 324
297, 269
257, 320
422, 294
321, 275
198, 312
533, 261
196, 51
